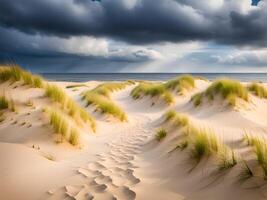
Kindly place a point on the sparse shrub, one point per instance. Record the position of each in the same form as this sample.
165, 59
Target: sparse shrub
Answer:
258, 90
161, 133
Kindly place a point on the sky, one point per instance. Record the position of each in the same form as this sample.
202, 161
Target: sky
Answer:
135, 35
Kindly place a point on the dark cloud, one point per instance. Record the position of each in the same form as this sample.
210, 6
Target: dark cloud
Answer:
148, 21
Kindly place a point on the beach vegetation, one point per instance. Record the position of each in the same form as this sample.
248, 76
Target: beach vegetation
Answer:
59, 96
15, 73
177, 119
164, 90
100, 98
161, 134
258, 90
228, 89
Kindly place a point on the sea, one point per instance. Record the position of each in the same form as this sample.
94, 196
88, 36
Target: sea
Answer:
83, 77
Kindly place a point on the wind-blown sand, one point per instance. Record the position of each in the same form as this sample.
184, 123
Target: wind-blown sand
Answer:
122, 160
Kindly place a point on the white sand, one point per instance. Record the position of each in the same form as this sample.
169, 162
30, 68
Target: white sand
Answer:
121, 160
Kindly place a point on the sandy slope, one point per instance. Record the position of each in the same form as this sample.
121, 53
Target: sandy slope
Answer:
122, 160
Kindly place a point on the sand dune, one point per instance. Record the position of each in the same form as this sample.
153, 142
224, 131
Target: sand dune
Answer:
123, 160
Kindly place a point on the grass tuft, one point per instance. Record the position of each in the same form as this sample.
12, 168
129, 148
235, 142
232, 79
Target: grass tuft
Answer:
161, 134
228, 89
58, 95
227, 159
258, 90
4, 103
203, 143
61, 125
164, 90
100, 98
15, 73
177, 119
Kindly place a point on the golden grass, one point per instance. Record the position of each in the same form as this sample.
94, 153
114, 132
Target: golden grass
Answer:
61, 125
258, 90
58, 95
15, 73
177, 119
161, 134
164, 90
100, 98
4, 103
228, 89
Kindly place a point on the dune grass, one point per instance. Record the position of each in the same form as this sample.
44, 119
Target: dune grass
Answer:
4, 103
203, 143
228, 89
15, 73
75, 86
177, 119
61, 126
161, 134
164, 90
179, 84
100, 98
227, 159
58, 95
246, 173
258, 90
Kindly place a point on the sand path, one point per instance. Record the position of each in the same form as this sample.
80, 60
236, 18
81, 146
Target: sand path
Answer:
112, 175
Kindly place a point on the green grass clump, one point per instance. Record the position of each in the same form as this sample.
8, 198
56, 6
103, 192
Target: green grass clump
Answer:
61, 125
100, 98
258, 90
228, 89
203, 143
58, 95
4, 103
261, 155
177, 119
180, 84
164, 90
227, 159
74, 137
15, 73
197, 99
161, 134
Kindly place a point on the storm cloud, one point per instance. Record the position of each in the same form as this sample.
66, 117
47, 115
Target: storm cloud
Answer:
123, 32
139, 21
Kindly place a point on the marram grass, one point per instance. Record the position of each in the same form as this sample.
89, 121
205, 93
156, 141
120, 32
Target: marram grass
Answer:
4, 103
161, 134
100, 98
15, 73
258, 90
164, 90
230, 90
58, 95
176, 119
61, 125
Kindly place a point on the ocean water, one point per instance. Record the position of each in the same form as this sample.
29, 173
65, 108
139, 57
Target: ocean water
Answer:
83, 77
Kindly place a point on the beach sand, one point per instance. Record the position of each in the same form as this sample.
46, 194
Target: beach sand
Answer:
122, 160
